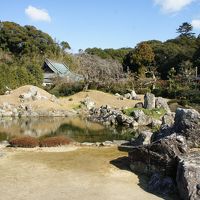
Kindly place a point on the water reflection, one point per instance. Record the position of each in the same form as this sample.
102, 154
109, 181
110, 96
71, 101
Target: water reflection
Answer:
80, 130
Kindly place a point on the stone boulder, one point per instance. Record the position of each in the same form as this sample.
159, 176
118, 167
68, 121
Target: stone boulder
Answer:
158, 157
149, 101
162, 103
168, 119
161, 184
156, 123
88, 103
139, 105
133, 94
141, 118
32, 95
188, 176
128, 96
187, 123
144, 138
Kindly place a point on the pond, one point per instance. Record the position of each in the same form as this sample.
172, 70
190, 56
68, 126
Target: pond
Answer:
77, 129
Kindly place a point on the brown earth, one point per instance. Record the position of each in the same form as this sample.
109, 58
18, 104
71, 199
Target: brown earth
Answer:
101, 98
83, 173
66, 103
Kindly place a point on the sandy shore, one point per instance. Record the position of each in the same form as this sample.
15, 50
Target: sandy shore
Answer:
74, 174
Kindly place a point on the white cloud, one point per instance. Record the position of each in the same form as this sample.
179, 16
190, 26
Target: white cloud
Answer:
196, 23
172, 6
37, 14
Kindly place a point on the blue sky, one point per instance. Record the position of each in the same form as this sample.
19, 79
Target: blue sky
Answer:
104, 23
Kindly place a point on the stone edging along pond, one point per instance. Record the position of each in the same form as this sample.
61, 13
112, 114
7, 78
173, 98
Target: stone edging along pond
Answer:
169, 157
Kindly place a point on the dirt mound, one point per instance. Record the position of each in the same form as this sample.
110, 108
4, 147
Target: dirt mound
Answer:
26, 89
37, 98
14, 96
102, 98
40, 100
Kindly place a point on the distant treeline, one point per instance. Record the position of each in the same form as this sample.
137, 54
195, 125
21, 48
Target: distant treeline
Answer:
166, 68
181, 54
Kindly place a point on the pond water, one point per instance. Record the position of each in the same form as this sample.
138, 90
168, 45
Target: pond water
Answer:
77, 129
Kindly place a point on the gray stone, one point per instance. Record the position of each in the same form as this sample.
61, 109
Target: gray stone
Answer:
120, 142
89, 103
88, 144
117, 95
188, 176
33, 91
99, 144
156, 123
128, 96
162, 103
141, 118
157, 157
25, 96
149, 101
133, 94
161, 184
7, 114
7, 92
187, 123
139, 105
7, 106
143, 138
108, 143
168, 119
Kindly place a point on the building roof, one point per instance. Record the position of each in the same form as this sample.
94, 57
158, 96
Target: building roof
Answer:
62, 70
58, 68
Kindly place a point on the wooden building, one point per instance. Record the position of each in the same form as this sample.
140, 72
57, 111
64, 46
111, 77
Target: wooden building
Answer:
54, 69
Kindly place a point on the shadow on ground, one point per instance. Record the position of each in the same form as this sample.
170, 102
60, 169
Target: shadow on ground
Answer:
123, 163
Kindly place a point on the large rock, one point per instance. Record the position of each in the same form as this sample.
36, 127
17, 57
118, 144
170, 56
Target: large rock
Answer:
32, 95
144, 138
133, 94
168, 119
161, 184
128, 96
158, 157
149, 101
188, 177
141, 118
89, 103
187, 123
139, 105
162, 103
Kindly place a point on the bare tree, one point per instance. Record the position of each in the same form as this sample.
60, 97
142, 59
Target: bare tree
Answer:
97, 70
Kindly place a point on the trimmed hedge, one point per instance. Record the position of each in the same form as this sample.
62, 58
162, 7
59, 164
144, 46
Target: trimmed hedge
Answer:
54, 141
31, 142
24, 141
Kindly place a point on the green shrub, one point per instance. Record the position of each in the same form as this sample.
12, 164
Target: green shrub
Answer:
154, 113
143, 90
67, 88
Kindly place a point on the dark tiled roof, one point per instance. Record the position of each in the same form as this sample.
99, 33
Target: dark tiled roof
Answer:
62, 70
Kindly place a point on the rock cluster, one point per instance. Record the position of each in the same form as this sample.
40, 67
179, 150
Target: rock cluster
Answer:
88, 103
168, 153
105, 143
151, 102
109, 116
132, 95
31, 95
24, 108
188, 176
